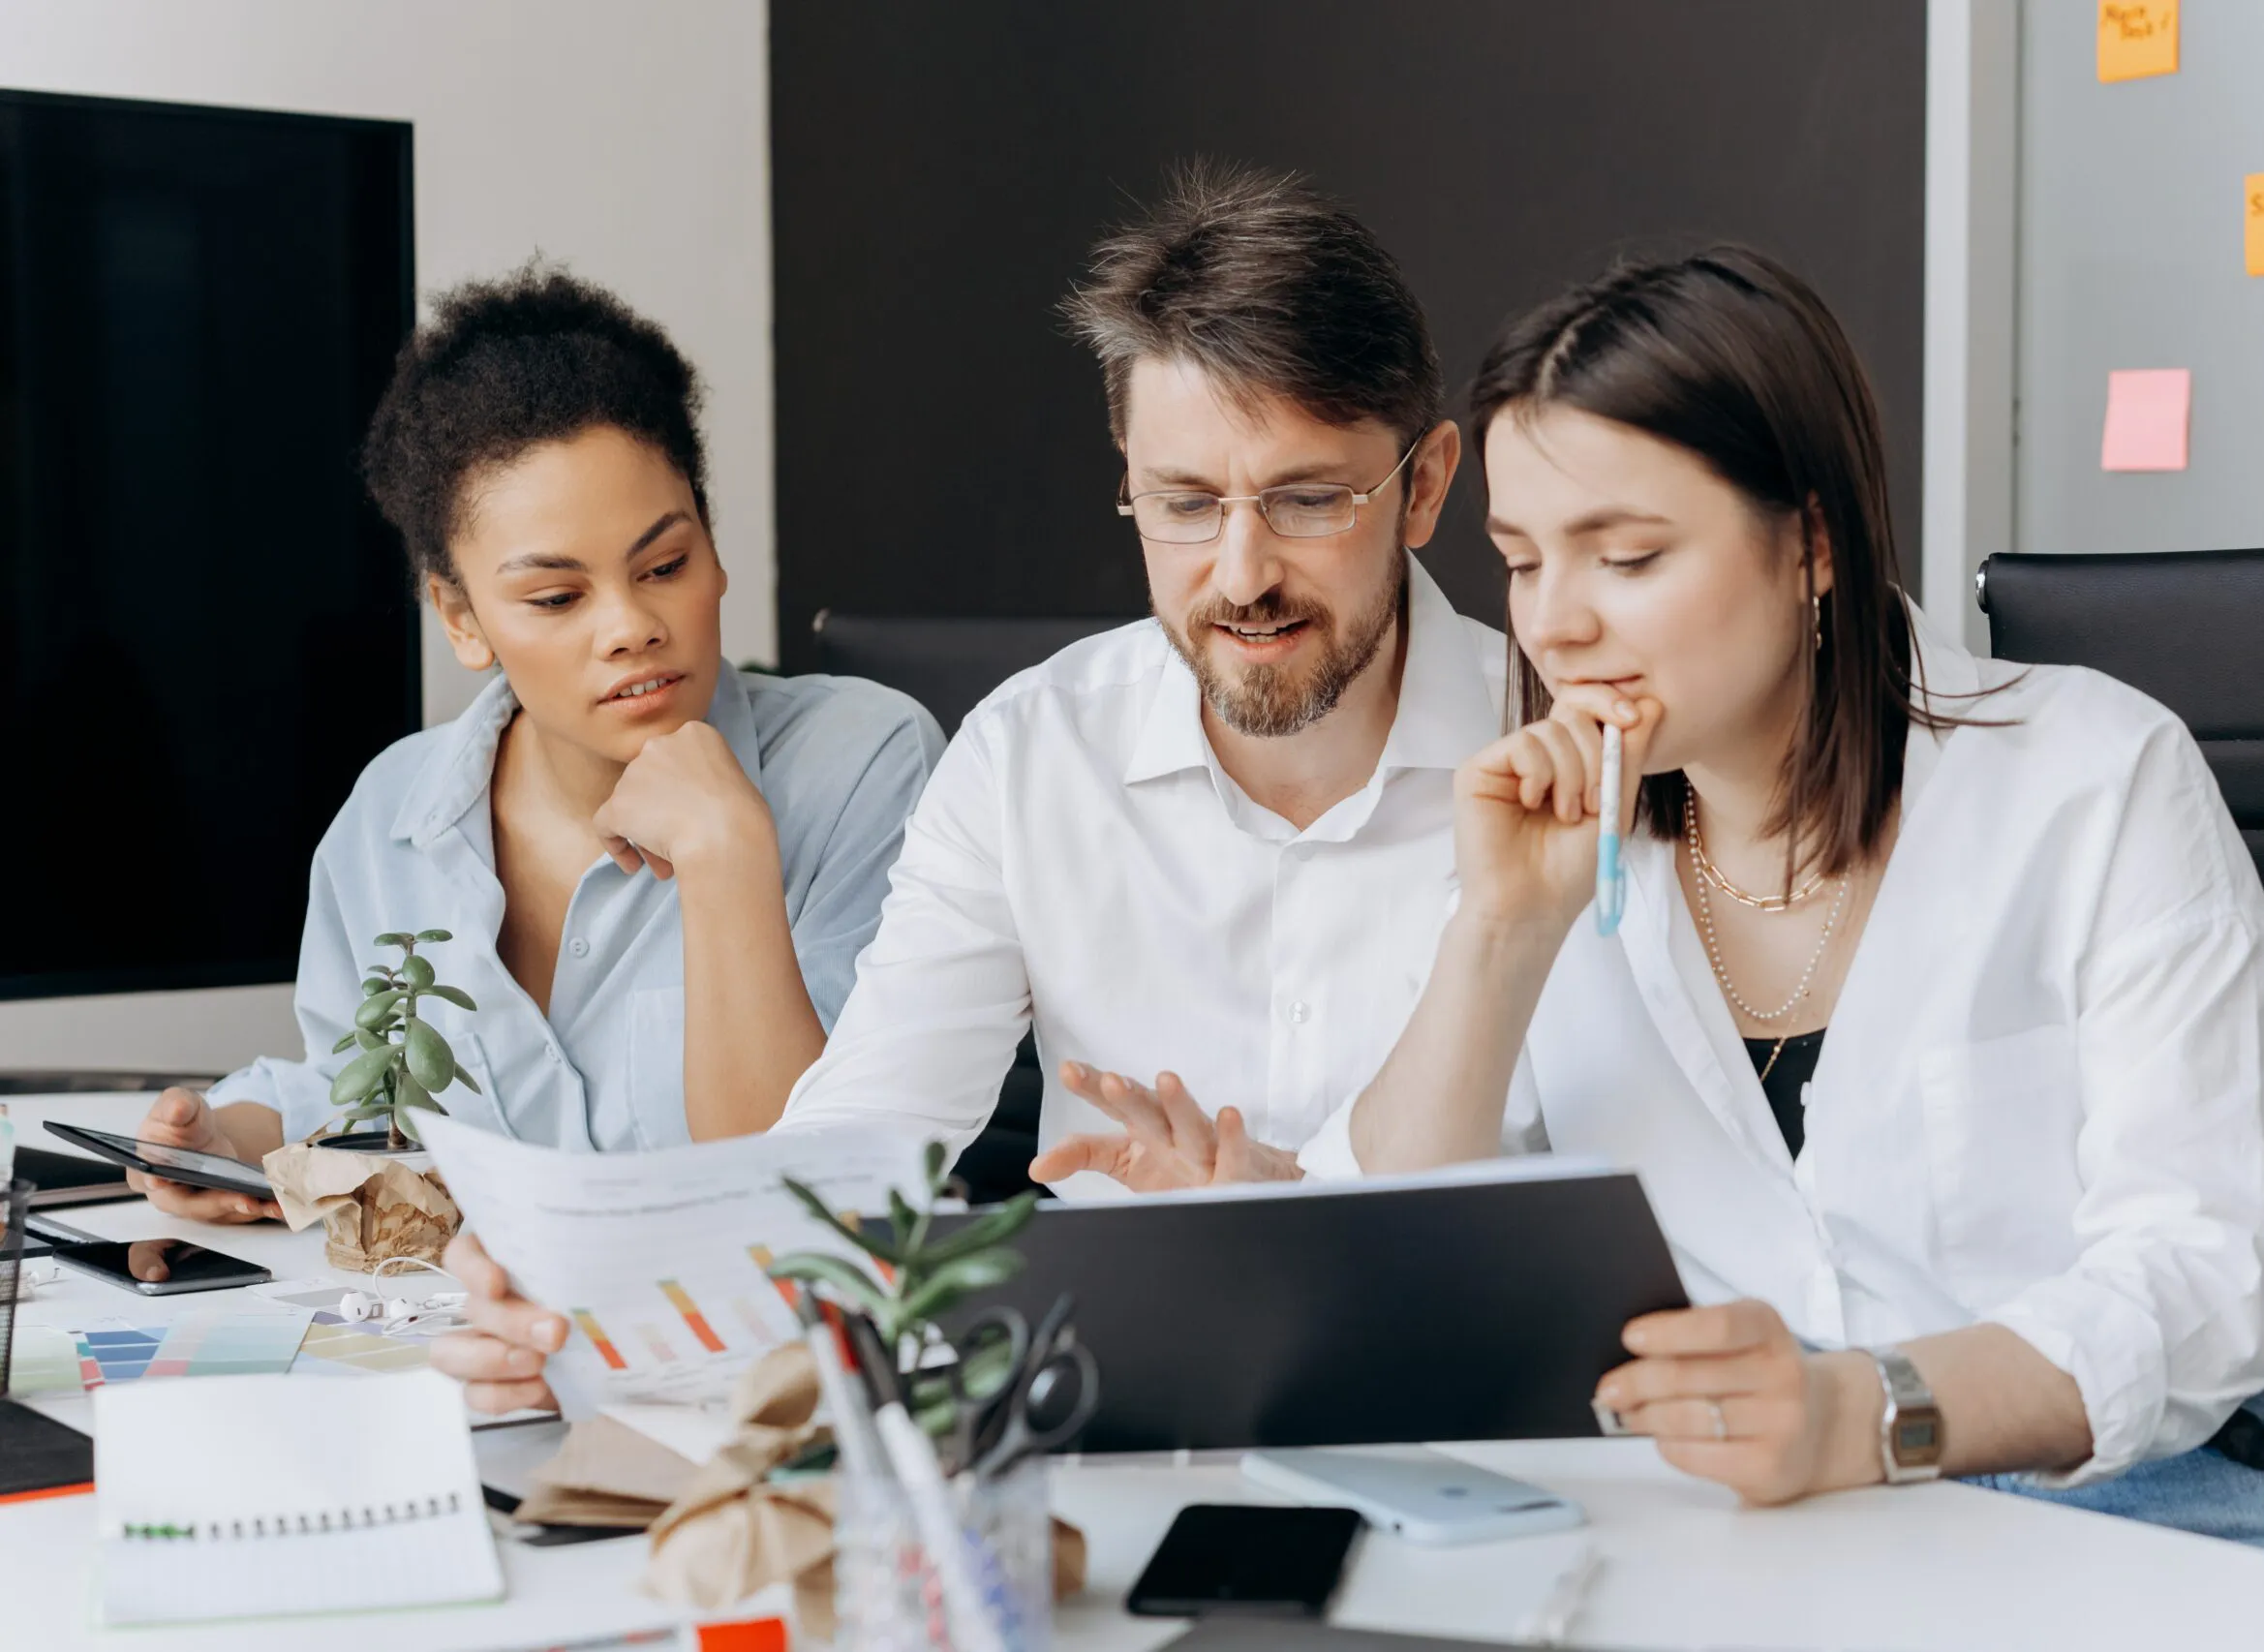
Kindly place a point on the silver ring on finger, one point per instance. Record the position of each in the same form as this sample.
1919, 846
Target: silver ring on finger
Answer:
1721, 1421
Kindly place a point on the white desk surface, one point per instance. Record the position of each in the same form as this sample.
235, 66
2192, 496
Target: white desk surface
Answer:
1920, 1567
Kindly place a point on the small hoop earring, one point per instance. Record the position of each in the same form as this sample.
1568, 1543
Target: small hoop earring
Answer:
1816, 606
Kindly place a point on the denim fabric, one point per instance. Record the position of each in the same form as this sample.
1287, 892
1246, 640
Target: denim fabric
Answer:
2202, 1491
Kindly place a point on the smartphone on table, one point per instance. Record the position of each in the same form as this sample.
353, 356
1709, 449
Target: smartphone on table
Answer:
1422, 1495
1247, 1559
159, 1266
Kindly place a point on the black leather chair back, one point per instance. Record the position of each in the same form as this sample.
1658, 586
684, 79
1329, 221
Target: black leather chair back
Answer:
947, 664
2184, 626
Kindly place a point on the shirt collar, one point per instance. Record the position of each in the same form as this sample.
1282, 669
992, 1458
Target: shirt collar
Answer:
1446, 710
455, 775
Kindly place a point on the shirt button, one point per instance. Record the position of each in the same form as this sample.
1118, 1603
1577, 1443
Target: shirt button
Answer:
1299, 1012
579, 948
551, 1050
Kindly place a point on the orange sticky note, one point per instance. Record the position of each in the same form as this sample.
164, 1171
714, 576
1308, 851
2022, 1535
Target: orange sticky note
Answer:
2252, 219
2146, 416
2137, 37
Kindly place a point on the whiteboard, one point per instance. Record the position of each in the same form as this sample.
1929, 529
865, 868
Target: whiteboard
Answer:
2130, 255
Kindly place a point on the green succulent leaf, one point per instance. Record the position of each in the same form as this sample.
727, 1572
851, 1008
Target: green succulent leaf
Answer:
467, 1080
345, 1043
376, 1008
955, 1280
434, 936
902, 1216
430, 1058
360, 1076
417, 972
872, 1244
394, 937
931, 1165
374, 985
992, 1228
454, 995
408, 1092
368, 1039
844, 1278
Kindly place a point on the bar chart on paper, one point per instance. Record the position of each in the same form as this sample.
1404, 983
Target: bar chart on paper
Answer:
658, 1260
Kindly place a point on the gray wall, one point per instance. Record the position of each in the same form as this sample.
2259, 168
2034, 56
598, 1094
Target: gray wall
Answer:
2130, 257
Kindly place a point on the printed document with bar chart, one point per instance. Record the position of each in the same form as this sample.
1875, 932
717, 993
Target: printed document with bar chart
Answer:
656, 1260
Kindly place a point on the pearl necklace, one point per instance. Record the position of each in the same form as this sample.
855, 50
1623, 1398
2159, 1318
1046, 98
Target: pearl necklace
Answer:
1705, 918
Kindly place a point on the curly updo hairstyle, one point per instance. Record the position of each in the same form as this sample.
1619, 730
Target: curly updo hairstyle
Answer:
503, 365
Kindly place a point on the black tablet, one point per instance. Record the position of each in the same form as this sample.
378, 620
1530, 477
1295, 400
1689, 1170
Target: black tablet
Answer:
1481, 1303
174, 1164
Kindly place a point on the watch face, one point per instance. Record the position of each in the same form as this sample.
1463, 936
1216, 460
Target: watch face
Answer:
1915, 1437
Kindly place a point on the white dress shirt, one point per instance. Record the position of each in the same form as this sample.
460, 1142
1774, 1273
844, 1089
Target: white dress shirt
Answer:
2041, 1101
1080, 860
840, 762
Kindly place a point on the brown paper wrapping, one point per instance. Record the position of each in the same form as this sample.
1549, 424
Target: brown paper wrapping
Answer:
731, 1534
606, 1474
371, 1208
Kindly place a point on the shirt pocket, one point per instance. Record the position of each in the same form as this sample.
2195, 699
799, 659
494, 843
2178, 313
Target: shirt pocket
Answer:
485, 1109
2002, 1120
654, 1080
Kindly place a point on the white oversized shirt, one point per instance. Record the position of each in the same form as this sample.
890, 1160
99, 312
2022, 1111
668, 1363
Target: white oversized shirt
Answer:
1080, 860
2041, 1101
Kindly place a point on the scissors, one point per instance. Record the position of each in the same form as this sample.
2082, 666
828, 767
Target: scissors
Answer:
997, 1338
1054, 1393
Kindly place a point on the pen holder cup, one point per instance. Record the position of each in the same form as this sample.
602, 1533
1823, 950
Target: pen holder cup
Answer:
15, 1206
889, 1596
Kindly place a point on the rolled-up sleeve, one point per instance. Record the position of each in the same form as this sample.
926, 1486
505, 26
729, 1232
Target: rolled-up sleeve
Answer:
2160, 1319
330, 981
942, 994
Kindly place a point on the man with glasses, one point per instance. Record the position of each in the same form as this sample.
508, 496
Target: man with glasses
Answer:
1217, 841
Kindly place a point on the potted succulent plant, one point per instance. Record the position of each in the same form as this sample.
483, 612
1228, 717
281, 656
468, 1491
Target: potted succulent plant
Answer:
373, 1202
404, 1061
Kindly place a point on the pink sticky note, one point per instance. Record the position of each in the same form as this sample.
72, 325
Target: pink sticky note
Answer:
2146, 419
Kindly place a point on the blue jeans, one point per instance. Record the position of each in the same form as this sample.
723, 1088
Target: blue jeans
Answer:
2202, 1491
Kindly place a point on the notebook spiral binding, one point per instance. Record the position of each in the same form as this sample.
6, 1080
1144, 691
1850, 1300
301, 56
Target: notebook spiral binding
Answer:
313, 1524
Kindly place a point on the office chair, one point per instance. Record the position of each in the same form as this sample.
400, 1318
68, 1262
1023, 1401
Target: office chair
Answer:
948, 665
2184, 626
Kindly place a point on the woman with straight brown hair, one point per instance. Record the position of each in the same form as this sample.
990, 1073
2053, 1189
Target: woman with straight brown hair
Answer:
1935, 1018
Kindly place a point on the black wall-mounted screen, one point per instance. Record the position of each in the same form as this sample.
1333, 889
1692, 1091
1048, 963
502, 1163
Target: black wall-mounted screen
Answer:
206, 628
939, 172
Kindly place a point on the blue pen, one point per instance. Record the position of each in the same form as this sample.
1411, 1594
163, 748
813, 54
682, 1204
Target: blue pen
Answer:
1610, 876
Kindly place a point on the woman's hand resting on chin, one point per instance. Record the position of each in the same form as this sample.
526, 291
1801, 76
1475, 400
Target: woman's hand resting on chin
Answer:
1168, 1142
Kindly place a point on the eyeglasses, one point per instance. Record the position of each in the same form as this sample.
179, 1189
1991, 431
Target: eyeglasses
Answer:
1295, 511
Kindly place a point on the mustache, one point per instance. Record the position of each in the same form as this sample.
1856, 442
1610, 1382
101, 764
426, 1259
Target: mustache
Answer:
1270, 609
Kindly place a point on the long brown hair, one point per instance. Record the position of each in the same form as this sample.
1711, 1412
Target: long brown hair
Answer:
1734, 359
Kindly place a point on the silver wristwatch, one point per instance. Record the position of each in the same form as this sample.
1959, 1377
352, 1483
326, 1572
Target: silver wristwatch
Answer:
1910, 1429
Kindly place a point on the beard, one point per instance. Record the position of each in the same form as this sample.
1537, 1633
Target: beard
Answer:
1272, 701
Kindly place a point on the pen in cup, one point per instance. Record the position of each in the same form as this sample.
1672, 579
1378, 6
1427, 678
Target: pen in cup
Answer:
1610, 875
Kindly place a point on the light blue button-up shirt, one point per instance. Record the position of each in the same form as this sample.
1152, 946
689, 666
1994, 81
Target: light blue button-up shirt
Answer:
840, 762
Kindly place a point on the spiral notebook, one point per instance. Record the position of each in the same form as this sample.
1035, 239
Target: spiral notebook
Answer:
262, 1496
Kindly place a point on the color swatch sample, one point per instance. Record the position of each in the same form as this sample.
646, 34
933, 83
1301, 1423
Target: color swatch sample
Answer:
2147, 419
334, 1347
2253, 220
205, 1343
2137, 38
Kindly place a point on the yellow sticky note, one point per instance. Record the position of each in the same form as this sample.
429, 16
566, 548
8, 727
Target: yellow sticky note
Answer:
2252, 219
2137, 37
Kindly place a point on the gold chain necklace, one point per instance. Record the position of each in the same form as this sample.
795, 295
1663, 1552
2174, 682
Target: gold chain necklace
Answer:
1705, 918
1703, 864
